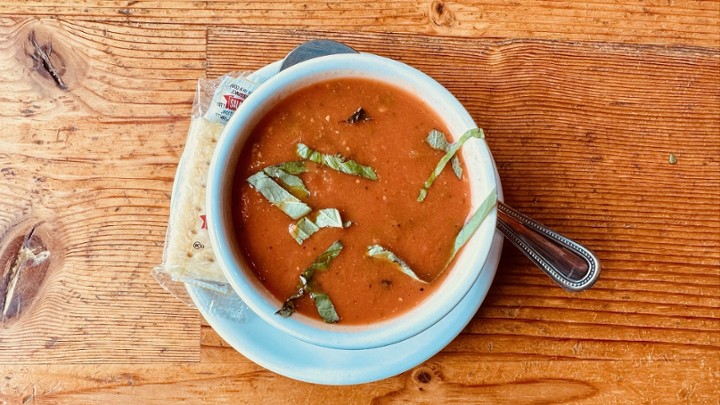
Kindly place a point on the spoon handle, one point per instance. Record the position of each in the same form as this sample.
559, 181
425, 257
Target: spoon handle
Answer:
568, 263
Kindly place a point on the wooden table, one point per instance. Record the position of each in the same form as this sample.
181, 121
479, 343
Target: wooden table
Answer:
603, 117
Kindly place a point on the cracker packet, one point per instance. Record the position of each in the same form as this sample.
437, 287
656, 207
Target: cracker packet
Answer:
188, 257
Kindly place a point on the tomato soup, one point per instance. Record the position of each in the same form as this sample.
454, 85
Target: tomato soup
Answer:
388, 136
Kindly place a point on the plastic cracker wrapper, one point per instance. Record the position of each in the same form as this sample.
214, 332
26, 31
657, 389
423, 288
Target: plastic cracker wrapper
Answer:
188, 257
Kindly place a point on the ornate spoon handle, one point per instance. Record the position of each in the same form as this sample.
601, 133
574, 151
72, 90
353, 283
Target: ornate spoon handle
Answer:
568, 263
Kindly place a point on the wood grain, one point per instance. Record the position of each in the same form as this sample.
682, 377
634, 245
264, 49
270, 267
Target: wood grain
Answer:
581, 133
94, 165
676, 22
223, 376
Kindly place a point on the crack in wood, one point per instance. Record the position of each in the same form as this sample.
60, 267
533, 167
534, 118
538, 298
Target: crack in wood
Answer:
41, 57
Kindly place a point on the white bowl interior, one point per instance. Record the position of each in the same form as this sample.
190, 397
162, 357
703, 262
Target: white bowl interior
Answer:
479, 168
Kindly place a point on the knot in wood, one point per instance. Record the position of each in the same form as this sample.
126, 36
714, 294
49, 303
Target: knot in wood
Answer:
50, 64
424, 375
24, 262
441, 15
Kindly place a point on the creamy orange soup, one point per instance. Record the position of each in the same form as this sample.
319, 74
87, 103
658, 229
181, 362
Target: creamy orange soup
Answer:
384, 212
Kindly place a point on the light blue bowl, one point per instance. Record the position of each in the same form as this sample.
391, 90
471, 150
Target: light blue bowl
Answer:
479, 167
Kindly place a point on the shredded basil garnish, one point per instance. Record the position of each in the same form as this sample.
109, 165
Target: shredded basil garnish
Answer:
303, 229
278, 196
324, 306
324, 218
437, 140
329, 218
379, 252
288, 307
323, 261
473, 133
359, 116
336, 162
473, 224
287, 173
322, 301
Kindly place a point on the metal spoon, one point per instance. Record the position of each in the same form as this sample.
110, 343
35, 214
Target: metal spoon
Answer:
313, 49
571, 265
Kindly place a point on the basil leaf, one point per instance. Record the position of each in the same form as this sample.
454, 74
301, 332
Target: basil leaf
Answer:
473, 224
324, 306
292, 167
303, 229
380, 252
286, 173
321, 263
336, 162
278, 196
324, 218
328, 218
288, 307
437, 140
422, 195
473, 133
358, 116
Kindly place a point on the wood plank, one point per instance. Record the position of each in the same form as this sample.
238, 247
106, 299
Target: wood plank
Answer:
447, 378
91, 168
680, 22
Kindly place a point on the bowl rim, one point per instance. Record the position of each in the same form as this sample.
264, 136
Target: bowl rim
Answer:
222, 168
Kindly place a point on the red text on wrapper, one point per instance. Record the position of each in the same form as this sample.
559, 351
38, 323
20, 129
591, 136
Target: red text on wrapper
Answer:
232, 102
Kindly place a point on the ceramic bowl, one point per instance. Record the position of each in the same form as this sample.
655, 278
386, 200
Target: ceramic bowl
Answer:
479, 168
